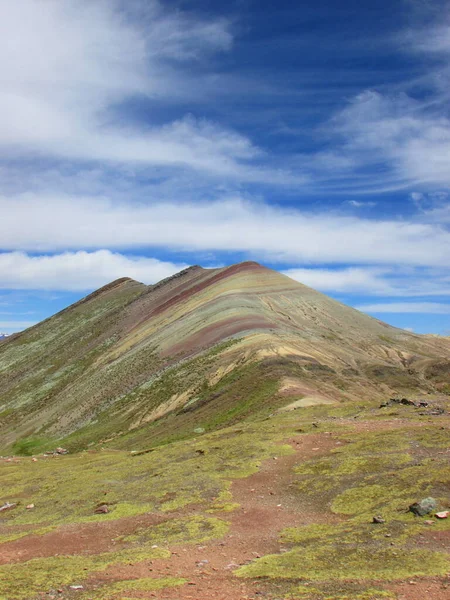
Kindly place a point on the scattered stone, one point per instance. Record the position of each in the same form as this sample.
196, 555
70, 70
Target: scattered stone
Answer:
424, 507
407, 402
57, 452
378, 520
102, 509
7, 506
428, 522
442, 515
30, 506
199, 430
76, 587
34, 459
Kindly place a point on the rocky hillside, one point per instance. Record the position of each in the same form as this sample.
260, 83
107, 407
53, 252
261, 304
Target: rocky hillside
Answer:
132, 364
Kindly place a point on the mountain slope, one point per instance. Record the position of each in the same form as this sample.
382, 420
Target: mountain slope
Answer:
134, 364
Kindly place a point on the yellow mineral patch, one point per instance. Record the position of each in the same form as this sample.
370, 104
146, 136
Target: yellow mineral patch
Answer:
291, 386
176, 401
305, 402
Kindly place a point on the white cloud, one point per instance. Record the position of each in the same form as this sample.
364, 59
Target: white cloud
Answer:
401, 132
392, 281
78, 271
67, 67
352, 279
359, 204
407, 307
55, 223
397, 130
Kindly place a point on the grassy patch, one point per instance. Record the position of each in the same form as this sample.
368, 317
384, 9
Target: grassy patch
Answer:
111, 591
67, 489
191, 530
340, 562
25, 580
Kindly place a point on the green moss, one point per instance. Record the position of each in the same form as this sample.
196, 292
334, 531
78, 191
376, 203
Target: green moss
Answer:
365, 477
68, 489
25, 580
340, 562
32, 445
193, 530
109, 592
336, 592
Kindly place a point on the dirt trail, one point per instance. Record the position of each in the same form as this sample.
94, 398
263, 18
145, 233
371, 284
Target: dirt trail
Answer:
267, 505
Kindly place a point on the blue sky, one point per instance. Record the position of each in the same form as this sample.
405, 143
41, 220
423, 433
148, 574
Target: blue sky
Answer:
138, 137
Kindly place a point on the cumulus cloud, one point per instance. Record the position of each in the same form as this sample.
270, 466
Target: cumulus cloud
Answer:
407, 307
79, 271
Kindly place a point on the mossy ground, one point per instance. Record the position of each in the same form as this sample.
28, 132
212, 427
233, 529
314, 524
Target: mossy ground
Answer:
111, 591
192, 530
68, 489
24, 581
378, 473
369, 473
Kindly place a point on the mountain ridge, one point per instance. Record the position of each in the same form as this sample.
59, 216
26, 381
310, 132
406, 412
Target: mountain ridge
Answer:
127, 360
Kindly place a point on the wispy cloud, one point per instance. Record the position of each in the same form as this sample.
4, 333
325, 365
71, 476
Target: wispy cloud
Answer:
388, 281
67, 69
52, 223
435, 308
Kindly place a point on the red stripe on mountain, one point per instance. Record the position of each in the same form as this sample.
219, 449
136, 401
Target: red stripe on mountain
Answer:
199, 287
216, 332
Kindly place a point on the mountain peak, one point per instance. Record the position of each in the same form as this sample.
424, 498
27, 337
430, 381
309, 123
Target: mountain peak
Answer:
130, 355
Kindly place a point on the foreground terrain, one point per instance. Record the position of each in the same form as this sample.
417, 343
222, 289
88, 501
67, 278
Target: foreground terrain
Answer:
230, 434
278, 508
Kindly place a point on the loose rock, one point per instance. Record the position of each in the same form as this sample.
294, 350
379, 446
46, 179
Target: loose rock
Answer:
442, 515
424, 507
7, 506
378, 520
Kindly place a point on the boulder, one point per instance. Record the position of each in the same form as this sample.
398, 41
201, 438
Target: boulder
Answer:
424, 507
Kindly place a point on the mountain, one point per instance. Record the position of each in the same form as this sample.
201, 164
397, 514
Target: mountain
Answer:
3, 336
226, 433
133, 364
